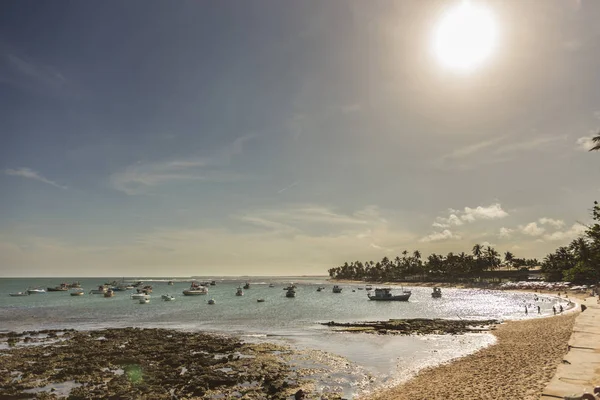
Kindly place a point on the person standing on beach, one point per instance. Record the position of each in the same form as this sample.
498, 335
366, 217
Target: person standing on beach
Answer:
525, 310
539, 310
561, 309
554, 310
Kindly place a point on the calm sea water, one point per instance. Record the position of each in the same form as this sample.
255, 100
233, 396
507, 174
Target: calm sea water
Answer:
374, 360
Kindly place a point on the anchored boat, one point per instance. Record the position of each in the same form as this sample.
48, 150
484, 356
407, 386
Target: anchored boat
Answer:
385, 294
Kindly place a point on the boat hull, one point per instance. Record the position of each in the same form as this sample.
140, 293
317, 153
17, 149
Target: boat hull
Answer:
193, 293
400, 297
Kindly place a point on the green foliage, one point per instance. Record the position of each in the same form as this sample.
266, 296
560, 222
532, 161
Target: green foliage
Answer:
581, 273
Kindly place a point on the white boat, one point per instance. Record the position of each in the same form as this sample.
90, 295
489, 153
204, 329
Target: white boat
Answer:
167, 297
271, 285
195, 290
369, 287
18, 294
239, 292
437, 293
77, 292
35, 291
170, 283
137, 296
385, 294
260, 300
211, 301
337, 289
101, 290
144, 301
290, 293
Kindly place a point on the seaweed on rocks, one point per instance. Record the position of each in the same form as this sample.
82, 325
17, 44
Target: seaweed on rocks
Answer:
418, 326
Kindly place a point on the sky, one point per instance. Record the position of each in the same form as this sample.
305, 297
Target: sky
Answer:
178, 138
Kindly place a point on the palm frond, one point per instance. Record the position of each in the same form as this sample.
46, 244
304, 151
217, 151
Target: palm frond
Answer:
596, 140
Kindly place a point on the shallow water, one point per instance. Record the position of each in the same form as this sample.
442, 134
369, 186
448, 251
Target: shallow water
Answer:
369, 360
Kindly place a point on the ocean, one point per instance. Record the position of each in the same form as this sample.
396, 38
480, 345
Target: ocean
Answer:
356, 363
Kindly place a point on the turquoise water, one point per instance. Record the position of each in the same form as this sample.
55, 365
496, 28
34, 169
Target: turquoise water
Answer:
375, 360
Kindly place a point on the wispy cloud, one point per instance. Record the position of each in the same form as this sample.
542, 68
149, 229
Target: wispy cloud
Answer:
138, 178
27, 70
446, 234
288, 187
31, 174
505, 232
496, 150
532, 229
557, 223
569, 234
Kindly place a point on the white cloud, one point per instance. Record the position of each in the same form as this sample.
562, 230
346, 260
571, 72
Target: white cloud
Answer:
493, 211
570, 234
505, 232
557, 223
440, 225
486, 244
31, 174
452, 219
138, 178
439, 236
532, 229
585, 143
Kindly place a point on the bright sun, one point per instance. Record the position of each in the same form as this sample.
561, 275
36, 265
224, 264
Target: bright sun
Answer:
465, 36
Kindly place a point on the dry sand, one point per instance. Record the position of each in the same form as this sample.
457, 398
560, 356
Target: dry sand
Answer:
518, 366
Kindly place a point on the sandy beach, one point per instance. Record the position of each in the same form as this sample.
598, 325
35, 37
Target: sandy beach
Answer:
518, 366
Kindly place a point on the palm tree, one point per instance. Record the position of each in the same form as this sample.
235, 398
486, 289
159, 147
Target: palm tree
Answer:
596, 140
477, 250
509, 257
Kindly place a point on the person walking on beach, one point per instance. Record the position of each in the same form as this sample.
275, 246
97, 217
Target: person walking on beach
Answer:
561, 309
554, 310
525, 310
539, 312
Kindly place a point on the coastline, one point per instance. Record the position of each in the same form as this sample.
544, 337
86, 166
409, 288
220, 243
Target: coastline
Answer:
518, 366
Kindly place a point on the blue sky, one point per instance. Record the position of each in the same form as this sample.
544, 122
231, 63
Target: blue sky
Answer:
267, 137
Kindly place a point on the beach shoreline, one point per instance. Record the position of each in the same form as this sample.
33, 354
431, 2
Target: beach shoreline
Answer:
518, 366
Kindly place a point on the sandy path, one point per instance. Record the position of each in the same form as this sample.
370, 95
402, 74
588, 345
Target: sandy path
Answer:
518, 366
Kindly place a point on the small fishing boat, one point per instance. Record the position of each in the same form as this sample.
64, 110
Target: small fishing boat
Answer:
74, 285
385, 294
290, 286
62, 288
195, 290
271, 285
213, 283
137, 296
35, 291
144, 300
170, 283
101, 290
239, 292
260, 300
18, 294
320, 289
211, 301
167, 297
290, 293
77, 292
360, 288
337, 289
437, 293
247, 285
369, 287
109, 293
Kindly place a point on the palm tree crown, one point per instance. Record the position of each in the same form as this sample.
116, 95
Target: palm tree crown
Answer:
596, 140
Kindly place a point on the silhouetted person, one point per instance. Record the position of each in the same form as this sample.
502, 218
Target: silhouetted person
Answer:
561, 309
554, 310
539, 312
525, 310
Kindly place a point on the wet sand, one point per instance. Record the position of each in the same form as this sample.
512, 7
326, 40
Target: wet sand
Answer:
518, 366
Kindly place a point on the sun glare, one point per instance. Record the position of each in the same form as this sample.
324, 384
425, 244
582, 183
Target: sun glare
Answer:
465, 37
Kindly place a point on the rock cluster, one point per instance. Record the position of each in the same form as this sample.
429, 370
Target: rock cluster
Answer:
419, 326
136, 363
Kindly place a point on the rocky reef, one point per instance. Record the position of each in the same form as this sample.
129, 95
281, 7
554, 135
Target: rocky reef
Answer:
418, 326
134, 363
